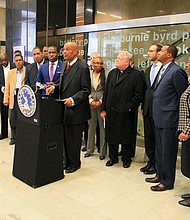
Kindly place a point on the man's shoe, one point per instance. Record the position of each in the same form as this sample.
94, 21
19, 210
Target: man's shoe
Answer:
185, 202
185, 196
126, 164
152, 180
87, 155
110, 163
84, 149
12, 142
160, 187
151, 170
143, 169
102, 157
71, 169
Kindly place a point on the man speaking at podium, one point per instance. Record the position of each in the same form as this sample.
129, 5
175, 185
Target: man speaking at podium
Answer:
74, 89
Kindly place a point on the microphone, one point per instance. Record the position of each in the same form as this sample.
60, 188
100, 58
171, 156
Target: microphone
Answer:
39, 88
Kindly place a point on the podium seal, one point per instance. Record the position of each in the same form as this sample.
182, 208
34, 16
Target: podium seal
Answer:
26, 101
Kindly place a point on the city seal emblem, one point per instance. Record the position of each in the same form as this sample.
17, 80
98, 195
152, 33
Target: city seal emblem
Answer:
26, 101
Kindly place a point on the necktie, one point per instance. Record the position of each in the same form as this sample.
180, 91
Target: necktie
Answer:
51, 72
160, 74
152, 73
68, 65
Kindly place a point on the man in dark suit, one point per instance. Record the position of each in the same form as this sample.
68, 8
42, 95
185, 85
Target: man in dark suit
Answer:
121, 99
5, 66
49, 73
150, 80
32, 69
171, 83
74, 89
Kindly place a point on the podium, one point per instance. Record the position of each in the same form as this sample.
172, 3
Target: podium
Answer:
38, 156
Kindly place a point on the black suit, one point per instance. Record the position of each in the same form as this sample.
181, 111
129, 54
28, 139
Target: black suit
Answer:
3, 108
122, 97
75, 83
31, 75
148, 118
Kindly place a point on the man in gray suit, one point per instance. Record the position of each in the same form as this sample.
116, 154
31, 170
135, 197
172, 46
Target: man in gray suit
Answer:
171, 83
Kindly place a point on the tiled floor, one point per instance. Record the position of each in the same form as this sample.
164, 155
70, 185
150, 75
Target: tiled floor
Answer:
94, 192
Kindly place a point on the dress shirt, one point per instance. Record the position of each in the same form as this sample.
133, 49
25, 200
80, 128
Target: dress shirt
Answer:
5, 71
18, 79
54, 66
156, 70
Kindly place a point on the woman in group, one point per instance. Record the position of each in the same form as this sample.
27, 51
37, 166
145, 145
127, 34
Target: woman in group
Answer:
95, 99
184, 134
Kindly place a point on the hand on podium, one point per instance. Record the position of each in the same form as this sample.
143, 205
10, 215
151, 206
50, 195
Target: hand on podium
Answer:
50, 88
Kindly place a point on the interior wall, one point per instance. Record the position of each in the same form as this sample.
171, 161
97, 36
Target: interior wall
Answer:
3, 28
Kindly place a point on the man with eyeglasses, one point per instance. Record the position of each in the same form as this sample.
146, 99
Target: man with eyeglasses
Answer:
150, 80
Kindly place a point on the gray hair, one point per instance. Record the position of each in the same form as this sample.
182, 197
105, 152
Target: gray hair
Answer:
128, 55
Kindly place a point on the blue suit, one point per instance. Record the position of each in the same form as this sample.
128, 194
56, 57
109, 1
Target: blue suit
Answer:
43, 75
166, 97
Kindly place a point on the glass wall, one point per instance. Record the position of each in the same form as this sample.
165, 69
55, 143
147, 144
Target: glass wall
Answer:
111, 10
21, 27
135, 40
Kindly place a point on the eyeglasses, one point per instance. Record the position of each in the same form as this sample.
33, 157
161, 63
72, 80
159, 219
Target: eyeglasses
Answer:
151, 51
97, 63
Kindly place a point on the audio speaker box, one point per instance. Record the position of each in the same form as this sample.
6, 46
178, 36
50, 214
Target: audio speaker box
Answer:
38, 156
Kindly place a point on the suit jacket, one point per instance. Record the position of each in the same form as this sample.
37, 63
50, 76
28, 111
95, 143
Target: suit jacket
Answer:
10, 86
2, 80
43, 73
147, 102
75, 83
96, 94
167, 95
31, 75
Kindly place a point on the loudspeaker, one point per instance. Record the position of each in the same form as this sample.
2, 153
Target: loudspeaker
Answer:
38, 156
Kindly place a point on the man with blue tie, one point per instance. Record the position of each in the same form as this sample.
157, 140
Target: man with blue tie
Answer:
150, 79
50, 72
172, 82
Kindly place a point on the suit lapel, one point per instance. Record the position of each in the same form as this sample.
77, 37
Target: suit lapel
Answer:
163, 75
156, 79
23, 75
71, 74
148, 76
62, 74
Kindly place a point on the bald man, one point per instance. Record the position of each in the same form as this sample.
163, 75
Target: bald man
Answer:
74, 88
